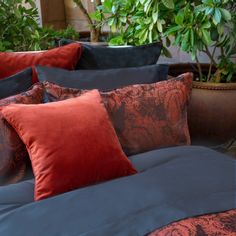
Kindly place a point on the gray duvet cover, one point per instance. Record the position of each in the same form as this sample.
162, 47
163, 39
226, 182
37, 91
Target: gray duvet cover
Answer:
172, 184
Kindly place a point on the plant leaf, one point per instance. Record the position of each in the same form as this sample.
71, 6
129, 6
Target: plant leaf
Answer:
179, 18
169, 3
217, 16
226, 14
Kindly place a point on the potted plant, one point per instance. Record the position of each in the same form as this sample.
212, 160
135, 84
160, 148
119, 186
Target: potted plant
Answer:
207, 27
135, 22
95, 34
23, 32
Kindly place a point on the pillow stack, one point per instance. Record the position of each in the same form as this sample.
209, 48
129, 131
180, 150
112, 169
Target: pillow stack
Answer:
145, 116
13, 153
86, 150
116, 104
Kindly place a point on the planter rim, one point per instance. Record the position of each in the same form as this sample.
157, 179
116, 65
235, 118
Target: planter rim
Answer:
214, 86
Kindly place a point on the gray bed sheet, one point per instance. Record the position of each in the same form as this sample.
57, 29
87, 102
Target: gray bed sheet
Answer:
172, 184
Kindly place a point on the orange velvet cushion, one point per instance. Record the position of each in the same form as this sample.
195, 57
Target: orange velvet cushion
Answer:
71, 143
65, 57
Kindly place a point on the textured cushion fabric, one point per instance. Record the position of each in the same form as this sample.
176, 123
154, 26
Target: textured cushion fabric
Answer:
64, 57
13, 153
15, 84
222, 223
146, 116
73, 144
100, 57
103, 80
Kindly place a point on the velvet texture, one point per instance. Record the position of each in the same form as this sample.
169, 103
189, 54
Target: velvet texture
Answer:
104, 80
64, 57
15, 84
73, 144
13, 153
145, 117
100, 57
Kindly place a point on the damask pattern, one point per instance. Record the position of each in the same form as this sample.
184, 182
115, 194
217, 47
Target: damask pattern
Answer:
146, 116
55, 92
151, 116
13, 153
221, 224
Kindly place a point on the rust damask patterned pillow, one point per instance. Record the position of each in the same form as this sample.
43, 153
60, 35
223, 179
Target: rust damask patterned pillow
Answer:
221, 224
145, 117
13, 153
151, 116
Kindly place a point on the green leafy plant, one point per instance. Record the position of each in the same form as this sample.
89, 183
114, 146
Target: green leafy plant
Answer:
47, 37
206, 26
136, 22
20, 31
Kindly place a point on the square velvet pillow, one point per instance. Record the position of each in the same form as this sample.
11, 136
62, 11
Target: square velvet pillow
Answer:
145, 117
13, 153
64, 57
73, 144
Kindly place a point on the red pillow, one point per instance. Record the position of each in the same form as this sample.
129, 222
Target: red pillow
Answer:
65, 57
145, 117
13, 154
72, 145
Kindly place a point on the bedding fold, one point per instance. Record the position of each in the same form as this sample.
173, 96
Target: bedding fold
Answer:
192, 181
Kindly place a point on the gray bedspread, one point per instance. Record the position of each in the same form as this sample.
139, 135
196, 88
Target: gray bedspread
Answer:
172, 184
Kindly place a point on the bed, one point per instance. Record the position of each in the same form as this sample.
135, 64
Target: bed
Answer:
187, 190
179, 190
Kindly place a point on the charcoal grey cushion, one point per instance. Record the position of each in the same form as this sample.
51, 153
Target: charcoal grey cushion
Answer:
15, 84
103, 80
103, 57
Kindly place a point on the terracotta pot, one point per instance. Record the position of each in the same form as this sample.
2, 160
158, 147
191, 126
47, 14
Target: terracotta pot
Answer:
212, 113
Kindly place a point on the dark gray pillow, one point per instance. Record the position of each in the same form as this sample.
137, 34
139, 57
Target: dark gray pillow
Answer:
103, 57
103, 80
15, 84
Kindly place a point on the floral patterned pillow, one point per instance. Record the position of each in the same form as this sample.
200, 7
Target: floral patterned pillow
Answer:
146, 116
13, 153
151, 116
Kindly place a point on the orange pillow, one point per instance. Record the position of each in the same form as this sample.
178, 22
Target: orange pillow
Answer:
73, 144
65, 57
